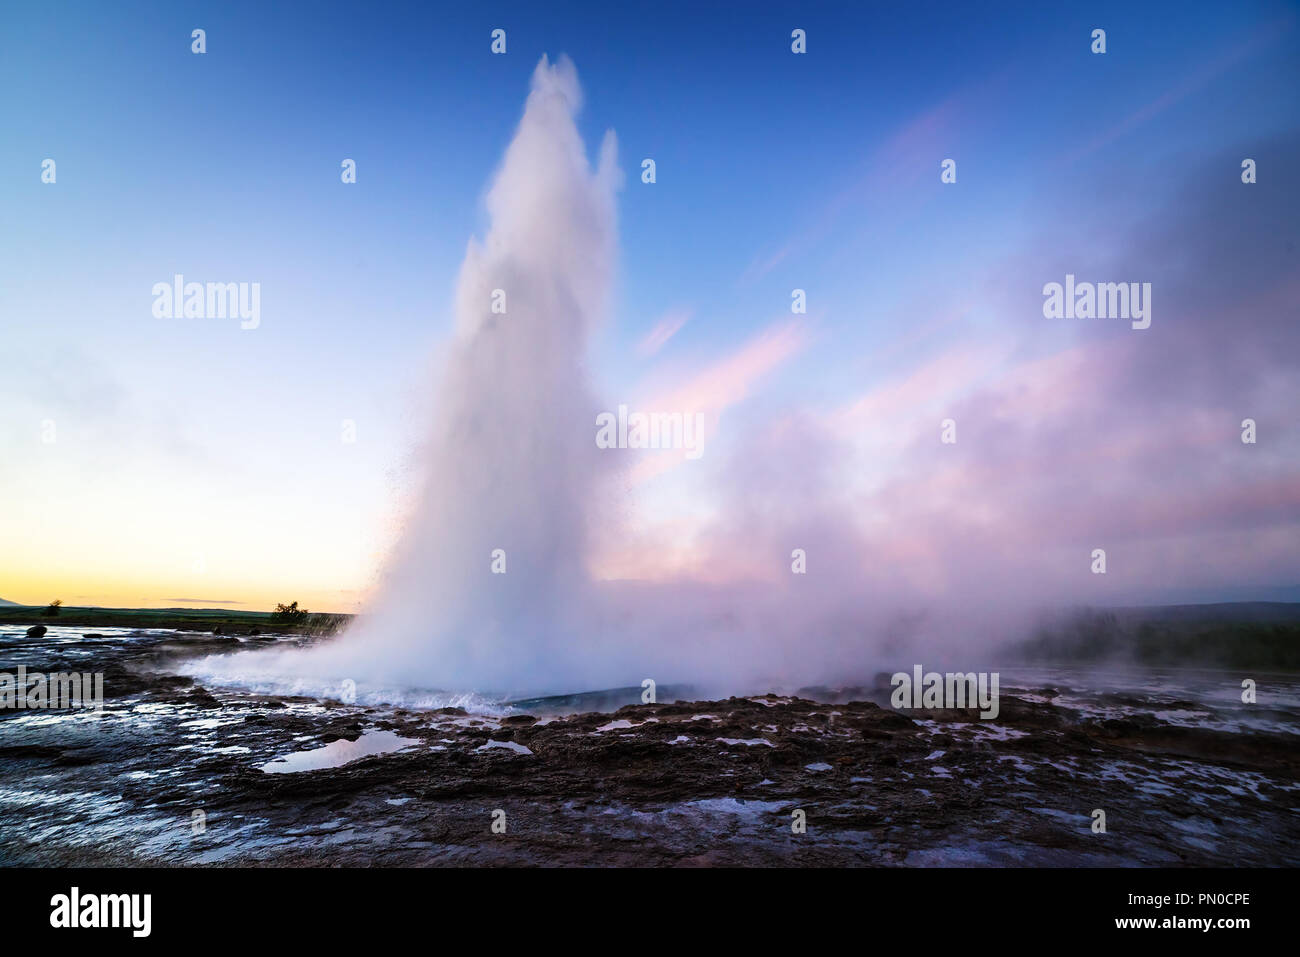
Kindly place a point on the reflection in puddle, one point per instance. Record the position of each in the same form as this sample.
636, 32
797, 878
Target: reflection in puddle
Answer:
339, 752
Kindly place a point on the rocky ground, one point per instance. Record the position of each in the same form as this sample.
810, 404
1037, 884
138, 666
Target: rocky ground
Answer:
1181, 781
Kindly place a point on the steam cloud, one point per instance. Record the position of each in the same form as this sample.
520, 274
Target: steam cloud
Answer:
943, 559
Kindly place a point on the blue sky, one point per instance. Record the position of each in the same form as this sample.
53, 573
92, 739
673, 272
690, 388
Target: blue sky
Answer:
775, 171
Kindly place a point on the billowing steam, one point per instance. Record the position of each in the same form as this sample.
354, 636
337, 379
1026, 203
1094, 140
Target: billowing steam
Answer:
496, 587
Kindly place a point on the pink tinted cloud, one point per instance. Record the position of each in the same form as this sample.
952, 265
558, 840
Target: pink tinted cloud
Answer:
949, 373
721, 385
668, 326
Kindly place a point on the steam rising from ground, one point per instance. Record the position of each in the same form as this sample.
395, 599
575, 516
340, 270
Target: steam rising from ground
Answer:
939, 561
513, 465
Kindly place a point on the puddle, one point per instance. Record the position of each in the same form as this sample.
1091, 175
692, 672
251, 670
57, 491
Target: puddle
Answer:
507, 745
338, 753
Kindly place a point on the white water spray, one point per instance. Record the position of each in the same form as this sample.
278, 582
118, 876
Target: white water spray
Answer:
487, 583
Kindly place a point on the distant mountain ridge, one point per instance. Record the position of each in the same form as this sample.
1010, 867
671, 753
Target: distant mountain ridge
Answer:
13, 604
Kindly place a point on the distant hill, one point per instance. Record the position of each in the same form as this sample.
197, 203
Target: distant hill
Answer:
1235, 635
1256, 612
183, 619
13, 604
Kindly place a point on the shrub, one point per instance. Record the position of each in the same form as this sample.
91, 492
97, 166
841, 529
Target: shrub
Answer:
289, 614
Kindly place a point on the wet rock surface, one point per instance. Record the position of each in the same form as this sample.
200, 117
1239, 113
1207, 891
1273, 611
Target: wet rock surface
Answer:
171, 772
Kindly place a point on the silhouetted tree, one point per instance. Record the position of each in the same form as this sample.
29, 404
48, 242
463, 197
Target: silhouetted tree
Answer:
289, 614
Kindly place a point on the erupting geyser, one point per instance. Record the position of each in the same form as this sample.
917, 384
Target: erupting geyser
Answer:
487, 583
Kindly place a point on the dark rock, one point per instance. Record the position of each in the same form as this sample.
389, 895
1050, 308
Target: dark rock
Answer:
201, 698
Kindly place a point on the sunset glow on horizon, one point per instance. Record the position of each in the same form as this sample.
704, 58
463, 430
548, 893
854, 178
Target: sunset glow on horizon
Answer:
158, 462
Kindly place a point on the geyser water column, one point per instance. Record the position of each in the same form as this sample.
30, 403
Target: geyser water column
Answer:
511, 461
